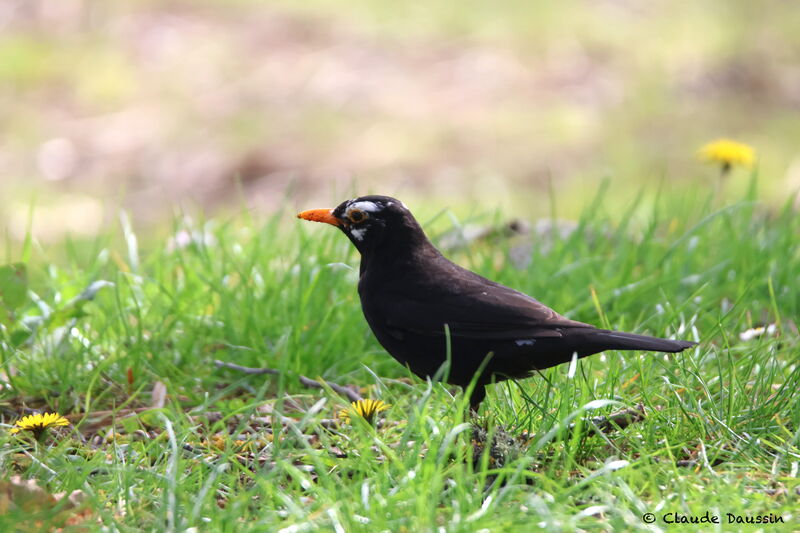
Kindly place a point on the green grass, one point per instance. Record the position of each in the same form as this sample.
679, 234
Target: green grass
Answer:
721, 431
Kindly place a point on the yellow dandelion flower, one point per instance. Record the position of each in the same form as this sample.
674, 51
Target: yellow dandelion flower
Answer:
38, 423
728, 153
366, 409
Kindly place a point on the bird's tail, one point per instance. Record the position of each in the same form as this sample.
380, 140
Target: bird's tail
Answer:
617, 340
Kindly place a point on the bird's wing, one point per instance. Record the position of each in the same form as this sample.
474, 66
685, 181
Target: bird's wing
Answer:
473, 307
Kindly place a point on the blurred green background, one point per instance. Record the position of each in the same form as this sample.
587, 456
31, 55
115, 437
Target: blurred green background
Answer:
156, 106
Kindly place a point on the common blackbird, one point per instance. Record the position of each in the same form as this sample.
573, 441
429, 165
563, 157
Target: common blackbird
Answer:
419, 305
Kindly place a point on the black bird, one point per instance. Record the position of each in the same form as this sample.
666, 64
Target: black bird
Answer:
411, 294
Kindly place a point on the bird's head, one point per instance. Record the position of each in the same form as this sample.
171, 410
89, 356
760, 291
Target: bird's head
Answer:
371, 222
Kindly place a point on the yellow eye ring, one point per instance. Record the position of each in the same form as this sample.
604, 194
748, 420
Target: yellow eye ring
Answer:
356, 216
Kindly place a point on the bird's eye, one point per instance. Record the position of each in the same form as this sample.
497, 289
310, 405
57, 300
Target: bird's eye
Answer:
357, 215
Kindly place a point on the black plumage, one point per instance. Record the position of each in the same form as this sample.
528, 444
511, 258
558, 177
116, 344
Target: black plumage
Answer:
415, 299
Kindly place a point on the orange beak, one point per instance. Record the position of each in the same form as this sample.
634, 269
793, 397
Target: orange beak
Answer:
320, 215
